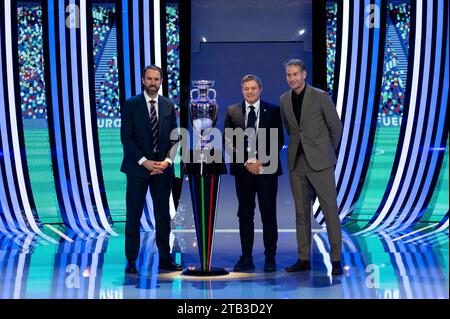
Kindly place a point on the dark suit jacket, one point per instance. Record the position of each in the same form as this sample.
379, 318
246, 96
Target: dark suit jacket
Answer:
269, 117
319, 131
136, 133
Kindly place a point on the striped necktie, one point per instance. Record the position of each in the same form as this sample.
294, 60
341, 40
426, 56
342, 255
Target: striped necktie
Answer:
154, 122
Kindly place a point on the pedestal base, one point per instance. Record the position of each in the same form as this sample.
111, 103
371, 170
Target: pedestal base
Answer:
198, 272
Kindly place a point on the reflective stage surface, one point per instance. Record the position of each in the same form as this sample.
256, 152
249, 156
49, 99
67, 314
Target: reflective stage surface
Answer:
378, 266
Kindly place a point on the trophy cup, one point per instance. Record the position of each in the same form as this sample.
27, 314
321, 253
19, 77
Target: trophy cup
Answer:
204, 176
203, 115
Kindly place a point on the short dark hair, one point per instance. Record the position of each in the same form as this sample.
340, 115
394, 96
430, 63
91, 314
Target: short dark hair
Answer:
295, 62
152, 67
251, 77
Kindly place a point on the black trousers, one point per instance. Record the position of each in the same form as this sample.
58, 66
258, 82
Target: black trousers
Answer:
266, 188
160, 186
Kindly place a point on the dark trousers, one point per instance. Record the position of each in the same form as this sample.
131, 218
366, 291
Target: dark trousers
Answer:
135, 199
265, 187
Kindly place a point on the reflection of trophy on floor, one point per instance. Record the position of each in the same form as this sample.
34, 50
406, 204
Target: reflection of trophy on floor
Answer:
204, 175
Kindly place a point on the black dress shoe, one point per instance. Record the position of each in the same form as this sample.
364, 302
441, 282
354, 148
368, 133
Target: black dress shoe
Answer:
300, 265
270, 265
245, 263
131, 268
170, 265
337, 268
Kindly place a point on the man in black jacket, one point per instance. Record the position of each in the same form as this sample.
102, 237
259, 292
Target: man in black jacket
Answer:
252, 176
147, 122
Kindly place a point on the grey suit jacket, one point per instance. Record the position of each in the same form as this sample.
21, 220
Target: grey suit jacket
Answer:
319, 131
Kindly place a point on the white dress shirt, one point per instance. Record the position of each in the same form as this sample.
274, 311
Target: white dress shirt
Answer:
147, 101
247, 110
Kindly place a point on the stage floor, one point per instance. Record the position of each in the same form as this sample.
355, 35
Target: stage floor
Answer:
377, 266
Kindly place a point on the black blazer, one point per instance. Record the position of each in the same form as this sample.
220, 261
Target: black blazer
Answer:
269, 117
136, 133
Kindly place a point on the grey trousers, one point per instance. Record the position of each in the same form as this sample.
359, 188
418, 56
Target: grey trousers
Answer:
303, 180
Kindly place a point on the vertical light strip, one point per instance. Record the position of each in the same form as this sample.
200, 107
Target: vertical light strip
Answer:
172, 209
215, 216
409, 212
126, 49
433, 267
72, 260
157, 62
409, 127
136, 47
344, 49
349, 165
417, 211
342, 77
157, 31
5, 145
10, 270
93, 267
2, 225
76, 95
148, 216
202, 192
195, 209
14, 137
325, 254
210, 219
363, 284
87, 116
157, 34
421, 270
19, 270
69, 160
147, 37
85, 252
350, 93
368, 116
59, 270
67, 209
399, 263
410, 174
83, 263
148, 213
414, 286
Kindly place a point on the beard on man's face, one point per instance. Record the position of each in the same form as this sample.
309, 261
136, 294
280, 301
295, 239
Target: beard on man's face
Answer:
152, 89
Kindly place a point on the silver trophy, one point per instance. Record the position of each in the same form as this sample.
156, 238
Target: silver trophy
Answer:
203, 115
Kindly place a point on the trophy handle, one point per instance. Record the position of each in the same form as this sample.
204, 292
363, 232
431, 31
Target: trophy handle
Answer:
214, 115
192, 93
214, 92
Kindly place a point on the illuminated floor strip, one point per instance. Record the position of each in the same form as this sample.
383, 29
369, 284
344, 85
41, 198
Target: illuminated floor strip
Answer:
416, 231
59, 233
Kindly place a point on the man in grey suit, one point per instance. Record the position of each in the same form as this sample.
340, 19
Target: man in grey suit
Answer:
314, 128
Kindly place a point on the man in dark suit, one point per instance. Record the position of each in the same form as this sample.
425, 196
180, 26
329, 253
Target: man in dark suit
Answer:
252, 177
147, 122
314, 128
